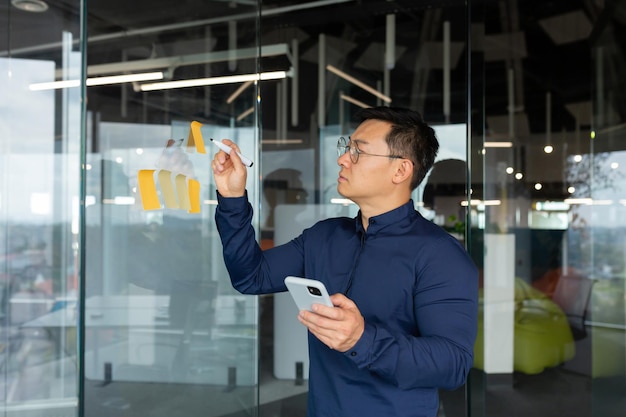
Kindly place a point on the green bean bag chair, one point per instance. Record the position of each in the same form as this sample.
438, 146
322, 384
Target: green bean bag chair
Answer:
542, 336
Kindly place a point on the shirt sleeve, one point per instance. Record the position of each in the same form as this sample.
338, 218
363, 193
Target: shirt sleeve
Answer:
446, 311
252, 270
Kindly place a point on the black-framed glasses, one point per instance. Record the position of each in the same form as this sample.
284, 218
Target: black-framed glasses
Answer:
344, 146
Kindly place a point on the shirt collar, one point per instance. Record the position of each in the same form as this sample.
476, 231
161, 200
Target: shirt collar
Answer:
398, 217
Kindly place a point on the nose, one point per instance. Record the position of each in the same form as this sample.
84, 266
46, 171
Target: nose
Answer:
344, 159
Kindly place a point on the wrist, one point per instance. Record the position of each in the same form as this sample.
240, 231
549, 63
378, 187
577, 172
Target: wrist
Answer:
231, 194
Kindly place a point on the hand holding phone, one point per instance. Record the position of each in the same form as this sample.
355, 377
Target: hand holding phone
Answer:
306, 292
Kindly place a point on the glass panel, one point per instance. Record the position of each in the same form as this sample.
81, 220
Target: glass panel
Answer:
347, 55
602, 223
552, 332
165, 332
39, 207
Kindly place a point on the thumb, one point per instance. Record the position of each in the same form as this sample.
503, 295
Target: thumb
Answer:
341, 301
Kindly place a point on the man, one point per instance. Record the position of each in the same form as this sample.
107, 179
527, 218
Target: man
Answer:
405, 292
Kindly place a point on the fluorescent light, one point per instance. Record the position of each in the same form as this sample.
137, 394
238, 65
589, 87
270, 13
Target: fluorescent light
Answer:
110, 79
602, 202
481, 203
354, 101
552, 206
126, 78
53, 85
34, 6
498, 144
119, 201
124, 201
589, 201
240, 90
229, 79
343, 201
359, 83
245, 113
572, 201
490, 202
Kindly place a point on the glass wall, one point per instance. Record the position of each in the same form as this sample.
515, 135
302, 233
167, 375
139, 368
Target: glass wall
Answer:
40, 144
549, 108
115, 299
165, 332
348, 55
603, 257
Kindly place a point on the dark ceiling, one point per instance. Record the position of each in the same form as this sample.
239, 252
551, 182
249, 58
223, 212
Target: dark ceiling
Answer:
549, 45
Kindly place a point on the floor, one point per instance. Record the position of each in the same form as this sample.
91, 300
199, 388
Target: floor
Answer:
558, 391
566, 390
555, 392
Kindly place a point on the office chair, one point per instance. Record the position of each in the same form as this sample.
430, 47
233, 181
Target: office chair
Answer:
572, 294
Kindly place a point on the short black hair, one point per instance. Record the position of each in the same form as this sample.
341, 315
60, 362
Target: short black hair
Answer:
410, 136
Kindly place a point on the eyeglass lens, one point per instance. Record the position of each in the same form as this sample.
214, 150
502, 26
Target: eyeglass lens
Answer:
343, 147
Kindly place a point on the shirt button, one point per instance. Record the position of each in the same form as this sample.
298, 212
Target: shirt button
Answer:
352, 353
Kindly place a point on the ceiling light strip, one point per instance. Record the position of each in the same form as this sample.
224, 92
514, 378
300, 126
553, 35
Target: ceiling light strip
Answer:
228, 79
498, 144
358, 83
237, 92
245, 114
354, 101
111, 79
126, 78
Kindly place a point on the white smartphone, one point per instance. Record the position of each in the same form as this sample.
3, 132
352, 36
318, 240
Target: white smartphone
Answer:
306, 292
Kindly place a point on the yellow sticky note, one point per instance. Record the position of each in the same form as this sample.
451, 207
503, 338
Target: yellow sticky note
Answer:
147, 190
167, 189
194, 196
181, 191
195, 137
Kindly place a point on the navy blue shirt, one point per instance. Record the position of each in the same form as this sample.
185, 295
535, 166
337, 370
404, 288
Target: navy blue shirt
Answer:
414, 284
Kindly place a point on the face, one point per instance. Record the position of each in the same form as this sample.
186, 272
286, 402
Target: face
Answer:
371, 177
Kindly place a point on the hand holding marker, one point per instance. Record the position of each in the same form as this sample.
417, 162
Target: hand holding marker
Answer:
247, 162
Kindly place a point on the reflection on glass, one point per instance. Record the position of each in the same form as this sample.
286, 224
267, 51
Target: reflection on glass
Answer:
163, 328
39, 214
161, 310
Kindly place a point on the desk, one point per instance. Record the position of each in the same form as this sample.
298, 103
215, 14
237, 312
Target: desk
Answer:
130, 338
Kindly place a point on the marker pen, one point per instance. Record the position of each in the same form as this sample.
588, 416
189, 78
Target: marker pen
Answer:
227, 149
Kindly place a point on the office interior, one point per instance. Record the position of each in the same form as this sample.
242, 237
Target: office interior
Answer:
114, 297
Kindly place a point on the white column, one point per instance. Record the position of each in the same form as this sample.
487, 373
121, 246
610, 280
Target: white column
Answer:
499, 302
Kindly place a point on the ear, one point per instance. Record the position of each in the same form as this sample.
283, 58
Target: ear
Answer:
404, 171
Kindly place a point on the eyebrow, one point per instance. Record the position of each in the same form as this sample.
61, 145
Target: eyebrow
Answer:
358, 141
